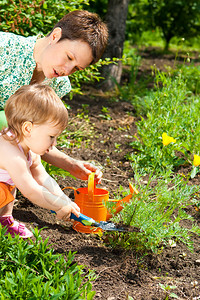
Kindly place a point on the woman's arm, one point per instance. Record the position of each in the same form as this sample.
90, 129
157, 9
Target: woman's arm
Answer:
77, 168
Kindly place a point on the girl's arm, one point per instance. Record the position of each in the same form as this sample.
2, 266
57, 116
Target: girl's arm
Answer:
44, 179
77, 168
33, 190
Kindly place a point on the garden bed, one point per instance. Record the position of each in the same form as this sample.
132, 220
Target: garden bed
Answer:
120, 273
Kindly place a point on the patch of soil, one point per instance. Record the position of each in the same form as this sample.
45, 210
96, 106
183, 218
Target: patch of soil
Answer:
120, 274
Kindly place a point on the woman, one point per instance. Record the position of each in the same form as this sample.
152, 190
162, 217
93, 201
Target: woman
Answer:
76, 41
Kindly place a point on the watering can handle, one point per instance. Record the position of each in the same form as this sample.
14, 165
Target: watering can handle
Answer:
69, 187
91, 187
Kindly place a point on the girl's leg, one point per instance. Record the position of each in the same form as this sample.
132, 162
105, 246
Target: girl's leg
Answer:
7, 220
3, 122
7, 209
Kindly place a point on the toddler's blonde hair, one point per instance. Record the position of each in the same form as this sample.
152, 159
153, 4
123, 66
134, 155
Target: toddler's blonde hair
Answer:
37, 103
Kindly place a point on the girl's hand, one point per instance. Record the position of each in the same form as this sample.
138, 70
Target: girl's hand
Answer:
65, 212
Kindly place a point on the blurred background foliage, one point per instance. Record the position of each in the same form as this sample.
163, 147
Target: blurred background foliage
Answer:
38, 16
164, 18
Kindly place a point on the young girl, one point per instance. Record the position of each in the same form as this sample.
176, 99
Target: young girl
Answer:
36, 117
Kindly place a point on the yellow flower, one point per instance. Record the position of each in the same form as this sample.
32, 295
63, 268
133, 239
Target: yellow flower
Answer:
167, 139
196, 161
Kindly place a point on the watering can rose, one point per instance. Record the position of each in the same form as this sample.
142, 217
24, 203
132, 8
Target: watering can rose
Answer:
196, 161
166, 139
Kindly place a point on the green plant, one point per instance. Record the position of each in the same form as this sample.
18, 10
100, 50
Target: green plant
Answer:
129, 297
175, 18
105, 113
90, 75
117, 147
31, 270
167, 288
190, 74
157, 211
83, 112
171, 109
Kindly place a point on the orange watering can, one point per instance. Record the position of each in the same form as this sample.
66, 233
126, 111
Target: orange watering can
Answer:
92, 200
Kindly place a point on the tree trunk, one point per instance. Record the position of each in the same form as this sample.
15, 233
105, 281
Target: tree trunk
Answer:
116, 21
167, 37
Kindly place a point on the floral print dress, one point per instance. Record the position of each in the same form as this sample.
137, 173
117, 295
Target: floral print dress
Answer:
17, 65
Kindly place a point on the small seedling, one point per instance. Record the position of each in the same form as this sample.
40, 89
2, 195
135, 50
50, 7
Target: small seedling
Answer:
105, 113
167, 288
117, 147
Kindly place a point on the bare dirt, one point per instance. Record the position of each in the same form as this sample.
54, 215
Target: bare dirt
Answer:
120, 274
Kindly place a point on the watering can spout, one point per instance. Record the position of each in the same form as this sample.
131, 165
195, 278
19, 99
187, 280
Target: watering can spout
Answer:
126, 199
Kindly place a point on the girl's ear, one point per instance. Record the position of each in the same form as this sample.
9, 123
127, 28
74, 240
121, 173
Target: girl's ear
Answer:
55, 35
27, 128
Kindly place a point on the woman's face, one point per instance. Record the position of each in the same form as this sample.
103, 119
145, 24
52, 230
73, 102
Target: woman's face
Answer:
65, 57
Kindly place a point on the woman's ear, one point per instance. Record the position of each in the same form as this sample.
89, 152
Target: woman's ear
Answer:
27, 128
55, 35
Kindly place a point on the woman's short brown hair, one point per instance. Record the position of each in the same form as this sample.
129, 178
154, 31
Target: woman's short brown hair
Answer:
87, 27
37, 103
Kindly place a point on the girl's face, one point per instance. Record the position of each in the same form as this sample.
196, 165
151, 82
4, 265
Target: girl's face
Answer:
62, 58
40, 138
